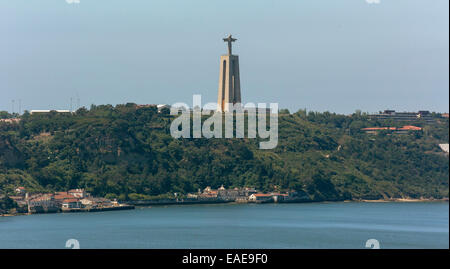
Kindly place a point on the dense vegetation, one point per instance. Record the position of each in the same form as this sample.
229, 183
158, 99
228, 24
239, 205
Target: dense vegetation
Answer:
6, 204
128, 152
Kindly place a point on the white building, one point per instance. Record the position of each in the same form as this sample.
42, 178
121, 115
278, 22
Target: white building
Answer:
162, 106
78, 193
48, 111
259, 197
20, 190
71, 203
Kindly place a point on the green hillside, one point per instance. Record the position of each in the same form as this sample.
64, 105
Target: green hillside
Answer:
128, 152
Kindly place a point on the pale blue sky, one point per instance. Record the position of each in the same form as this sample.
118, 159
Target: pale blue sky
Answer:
315, 54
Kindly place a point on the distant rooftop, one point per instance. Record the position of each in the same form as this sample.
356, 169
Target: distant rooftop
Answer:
48, 111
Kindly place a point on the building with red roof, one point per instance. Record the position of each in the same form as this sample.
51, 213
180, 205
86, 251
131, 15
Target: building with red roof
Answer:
400, 130
260, 197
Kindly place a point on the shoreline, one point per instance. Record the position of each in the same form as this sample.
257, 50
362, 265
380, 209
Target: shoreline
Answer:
402, 200
391, 200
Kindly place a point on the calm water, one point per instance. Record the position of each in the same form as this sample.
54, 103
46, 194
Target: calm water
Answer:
318, 225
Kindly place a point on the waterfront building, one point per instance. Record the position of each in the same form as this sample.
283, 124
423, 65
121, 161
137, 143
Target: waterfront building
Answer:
78, 193
210, 194
71, 203
96, 202
192, 196
60, 196
44, 200
42, 203
260, 197
279, 197
235, 194
207, 189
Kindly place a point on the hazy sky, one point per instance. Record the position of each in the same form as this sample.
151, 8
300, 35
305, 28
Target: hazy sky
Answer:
335, 55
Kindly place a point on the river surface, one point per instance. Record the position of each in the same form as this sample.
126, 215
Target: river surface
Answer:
309, 225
